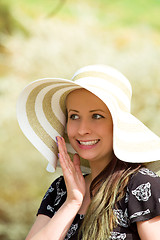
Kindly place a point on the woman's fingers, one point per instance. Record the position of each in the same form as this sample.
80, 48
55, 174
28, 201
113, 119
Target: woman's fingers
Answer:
64, 145
72, 173
61, 145
64, 158
76, 162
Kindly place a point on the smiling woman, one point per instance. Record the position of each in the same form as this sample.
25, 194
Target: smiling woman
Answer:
89, 117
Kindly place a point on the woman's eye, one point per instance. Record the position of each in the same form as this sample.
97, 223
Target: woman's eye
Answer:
97, 116
74, 117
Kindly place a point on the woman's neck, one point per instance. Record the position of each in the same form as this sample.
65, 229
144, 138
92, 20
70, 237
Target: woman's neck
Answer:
97, 167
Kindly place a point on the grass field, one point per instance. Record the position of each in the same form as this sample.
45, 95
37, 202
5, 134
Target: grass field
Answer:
52, 39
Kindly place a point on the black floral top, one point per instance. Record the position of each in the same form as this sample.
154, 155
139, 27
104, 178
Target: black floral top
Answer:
140, 203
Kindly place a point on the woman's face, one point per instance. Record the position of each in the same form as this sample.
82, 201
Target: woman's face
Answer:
89, 126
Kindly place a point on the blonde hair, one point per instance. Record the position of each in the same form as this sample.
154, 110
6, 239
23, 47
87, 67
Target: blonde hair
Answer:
110, 187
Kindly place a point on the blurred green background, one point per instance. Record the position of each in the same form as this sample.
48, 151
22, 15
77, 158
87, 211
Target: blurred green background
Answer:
53, 39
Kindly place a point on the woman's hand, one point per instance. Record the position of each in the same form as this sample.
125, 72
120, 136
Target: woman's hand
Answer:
73, 177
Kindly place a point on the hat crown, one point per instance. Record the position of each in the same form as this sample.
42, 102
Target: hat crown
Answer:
108, 80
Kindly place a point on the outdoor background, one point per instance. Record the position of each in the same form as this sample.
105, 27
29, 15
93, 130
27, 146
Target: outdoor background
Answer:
53, 38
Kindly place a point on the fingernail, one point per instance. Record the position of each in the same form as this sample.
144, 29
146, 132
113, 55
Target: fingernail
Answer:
56, 139
58, 155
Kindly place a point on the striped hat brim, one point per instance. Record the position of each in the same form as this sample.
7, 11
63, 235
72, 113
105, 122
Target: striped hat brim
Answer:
41, 114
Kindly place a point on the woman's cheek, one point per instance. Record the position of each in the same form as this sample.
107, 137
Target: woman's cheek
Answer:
70, 129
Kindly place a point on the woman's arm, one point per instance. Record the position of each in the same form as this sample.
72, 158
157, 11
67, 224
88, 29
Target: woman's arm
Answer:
40, 222
56, 228
149, 229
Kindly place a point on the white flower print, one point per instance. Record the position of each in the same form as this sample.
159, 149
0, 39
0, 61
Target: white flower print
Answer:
71, 231
127, 196
50, 189
141, 213
146, 171
81, 216
50, 208
118, 236
122, 218
142, 192
60, 193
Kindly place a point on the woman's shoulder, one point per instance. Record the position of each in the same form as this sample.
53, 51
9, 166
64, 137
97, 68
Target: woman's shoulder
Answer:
142, 196
146, 173
53, 198
58, 183
57, 186
143, 184
59, 180
142, 176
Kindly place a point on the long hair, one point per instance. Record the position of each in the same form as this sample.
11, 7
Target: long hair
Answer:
105, 191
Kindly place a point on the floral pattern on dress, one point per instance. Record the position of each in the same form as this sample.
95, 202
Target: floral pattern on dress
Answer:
71, 231
60, 193
118, 236
50, 189
146, 171
142, 192
141, 213
122, 217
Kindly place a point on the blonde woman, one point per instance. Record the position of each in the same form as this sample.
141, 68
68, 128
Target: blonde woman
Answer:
106, 191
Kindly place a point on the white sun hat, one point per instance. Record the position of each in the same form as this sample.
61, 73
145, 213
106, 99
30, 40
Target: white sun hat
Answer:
41, 114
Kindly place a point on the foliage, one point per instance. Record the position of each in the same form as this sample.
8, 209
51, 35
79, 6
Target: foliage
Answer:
113, 13
8, 22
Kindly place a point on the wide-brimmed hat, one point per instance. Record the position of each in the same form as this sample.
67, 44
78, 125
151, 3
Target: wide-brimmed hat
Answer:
41, 114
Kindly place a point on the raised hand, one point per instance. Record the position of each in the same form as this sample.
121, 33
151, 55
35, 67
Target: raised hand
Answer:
73, 177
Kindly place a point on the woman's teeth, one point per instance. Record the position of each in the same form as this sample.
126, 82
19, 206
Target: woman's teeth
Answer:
89, 143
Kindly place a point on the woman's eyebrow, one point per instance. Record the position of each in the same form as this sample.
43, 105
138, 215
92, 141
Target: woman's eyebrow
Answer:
72, 110
97, 110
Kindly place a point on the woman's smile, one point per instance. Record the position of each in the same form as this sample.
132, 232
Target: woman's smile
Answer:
88, 144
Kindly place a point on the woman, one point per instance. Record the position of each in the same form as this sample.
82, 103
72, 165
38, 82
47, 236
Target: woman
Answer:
119, 198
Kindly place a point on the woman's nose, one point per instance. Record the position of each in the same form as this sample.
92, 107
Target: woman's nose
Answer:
84, 127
